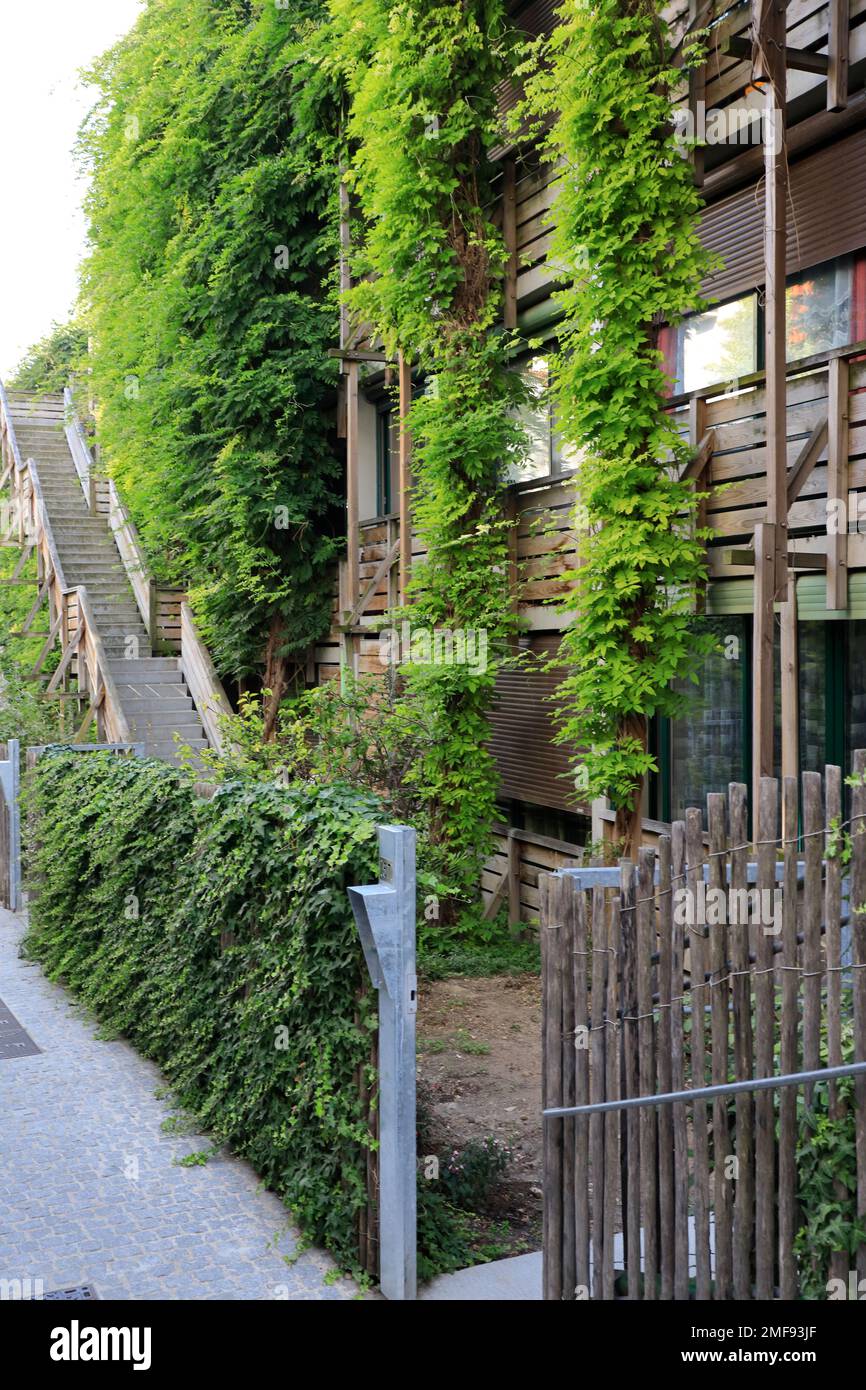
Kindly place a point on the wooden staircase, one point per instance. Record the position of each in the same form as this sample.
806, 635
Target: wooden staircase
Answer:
93, 575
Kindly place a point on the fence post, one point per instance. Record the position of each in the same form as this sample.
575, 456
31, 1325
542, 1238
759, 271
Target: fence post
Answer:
385, 917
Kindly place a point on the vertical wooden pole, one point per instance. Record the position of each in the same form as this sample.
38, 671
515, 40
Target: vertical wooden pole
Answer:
697, 101
788, 1045
631, 1197
509, 236
770, 60
764, 991
597, 1092
699, 996
837, 482
790, 697
697, 429
405, 382
663, 1073
678, 1076
744, 1196
837, 48
763, 707
352, 514
858, 915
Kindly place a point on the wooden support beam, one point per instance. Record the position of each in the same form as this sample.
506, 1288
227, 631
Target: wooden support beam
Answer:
763, 702
384, 566
769, 60
65, 660
790, 691
837, 484
697, 439
803, 560
697, 97
352, 513
806, 460
509, 236
25, 556
38, 602
404, 370
838, 43
34, 673
701, 457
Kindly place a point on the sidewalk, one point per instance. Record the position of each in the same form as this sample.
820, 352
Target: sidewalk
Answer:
89, 1189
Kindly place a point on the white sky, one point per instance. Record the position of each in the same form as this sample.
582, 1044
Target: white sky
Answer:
43, 44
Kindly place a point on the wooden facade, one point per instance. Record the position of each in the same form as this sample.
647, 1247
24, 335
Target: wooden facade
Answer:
778, 431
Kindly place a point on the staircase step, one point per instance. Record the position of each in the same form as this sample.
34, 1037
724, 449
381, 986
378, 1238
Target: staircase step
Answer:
162, 724
165, 667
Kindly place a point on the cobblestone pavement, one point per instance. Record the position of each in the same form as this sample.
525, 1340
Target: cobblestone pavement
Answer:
90, 1188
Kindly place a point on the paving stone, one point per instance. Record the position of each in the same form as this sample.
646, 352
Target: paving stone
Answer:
71, 1118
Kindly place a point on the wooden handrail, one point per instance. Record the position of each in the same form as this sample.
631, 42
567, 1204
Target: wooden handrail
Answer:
118, 726
78, 447
133, 556
202, 681
43, 523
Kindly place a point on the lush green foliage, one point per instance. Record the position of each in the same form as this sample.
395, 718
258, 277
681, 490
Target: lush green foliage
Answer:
51, 362
209, 290
626, 241
25, 714
827, 1182
470, 1174
217, 936
422, 79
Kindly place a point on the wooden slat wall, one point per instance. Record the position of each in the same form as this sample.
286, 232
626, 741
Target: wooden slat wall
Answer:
737, 470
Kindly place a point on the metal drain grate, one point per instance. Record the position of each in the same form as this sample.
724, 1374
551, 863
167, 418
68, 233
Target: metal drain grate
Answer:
14, 1041
80, 1291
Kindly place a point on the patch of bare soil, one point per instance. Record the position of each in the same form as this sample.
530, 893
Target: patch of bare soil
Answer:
479, 1075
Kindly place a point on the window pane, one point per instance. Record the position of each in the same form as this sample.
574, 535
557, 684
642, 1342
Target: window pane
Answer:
721, 345
812, 655
856, 685
819, 309
535, 418
707, 743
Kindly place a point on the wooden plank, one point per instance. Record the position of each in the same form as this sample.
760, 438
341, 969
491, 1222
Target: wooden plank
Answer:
788, 1046
352, 477
513, 878
858, 921
719, 997
765, 1174
763, 704
646, 950
790, 683
575, 965
681, 1157
663, 1073
837, 50
612, 1121
699, 997
837, 484
807, 459
551, 1088
404, 370
833, 945
630, 1046
597, 1092
813, 964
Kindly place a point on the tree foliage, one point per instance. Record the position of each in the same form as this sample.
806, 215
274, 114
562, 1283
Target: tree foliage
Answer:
209, 288
625, 242
49, 364
422, 78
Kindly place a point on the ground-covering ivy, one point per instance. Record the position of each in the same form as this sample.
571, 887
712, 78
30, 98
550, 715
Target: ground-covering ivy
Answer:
217, 936
422, 77
626, 247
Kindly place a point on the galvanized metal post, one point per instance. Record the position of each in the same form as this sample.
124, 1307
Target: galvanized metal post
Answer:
10, 776
385, 916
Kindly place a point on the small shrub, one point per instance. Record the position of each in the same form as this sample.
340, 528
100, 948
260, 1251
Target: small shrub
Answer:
470, 1174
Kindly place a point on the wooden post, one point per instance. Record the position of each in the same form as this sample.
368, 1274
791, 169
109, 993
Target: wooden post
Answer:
837, 49
509, 236
790, 698
762, 675
837, 482
405, 379
697, 99
697, 430
770, 60
513, 871
352, 513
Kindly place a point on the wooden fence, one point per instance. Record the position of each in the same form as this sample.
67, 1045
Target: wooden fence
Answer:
703, 965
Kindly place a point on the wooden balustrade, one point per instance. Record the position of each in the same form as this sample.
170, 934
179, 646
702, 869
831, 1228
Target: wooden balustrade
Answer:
202, 681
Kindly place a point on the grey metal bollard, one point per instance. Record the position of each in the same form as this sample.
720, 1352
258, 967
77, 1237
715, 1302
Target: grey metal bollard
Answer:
10, 776
385, 916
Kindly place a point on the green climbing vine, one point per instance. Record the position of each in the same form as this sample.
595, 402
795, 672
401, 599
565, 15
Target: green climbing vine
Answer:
428, 265
626, 245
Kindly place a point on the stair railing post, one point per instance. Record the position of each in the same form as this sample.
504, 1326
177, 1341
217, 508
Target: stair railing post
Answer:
385, 917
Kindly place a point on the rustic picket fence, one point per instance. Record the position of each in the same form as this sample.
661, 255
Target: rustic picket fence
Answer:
699, 1198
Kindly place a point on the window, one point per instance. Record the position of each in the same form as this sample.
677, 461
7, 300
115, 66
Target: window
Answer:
387, 461
547, 455
825, 309
708, 743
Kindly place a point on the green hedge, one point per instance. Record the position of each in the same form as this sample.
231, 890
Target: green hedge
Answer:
217, 936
